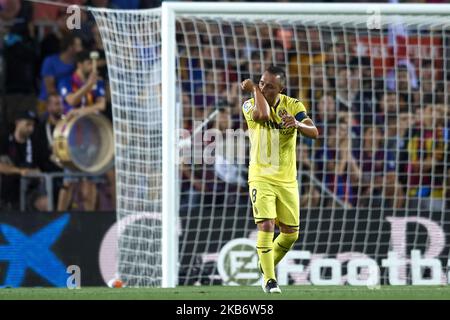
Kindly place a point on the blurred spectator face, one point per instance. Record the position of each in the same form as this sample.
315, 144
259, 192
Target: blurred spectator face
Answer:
355, 78
74, 47
314, 37
343, 77
388, 103
55, 106
85, 67
372, 138
223, 120
343, 126
317, 74
338, 52
331, 137
209, 77
427, 71
24, 127
77, 45
403, 79
327, 108
433, 116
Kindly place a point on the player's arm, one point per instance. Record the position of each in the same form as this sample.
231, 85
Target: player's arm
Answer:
261, 112
302, 123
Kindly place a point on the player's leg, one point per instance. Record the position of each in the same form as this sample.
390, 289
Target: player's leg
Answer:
263, 203
288, 220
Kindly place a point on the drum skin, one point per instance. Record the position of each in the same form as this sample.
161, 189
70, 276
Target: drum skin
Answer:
84, 143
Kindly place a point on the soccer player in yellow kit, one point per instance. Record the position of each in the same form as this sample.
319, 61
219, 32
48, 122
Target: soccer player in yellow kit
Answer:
273, 120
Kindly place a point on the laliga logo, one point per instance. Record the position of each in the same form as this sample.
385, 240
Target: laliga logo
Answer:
237, 262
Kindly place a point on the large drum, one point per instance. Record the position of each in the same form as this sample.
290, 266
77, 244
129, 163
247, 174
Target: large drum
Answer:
84, 143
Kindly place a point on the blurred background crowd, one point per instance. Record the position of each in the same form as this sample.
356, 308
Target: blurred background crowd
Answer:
383, 125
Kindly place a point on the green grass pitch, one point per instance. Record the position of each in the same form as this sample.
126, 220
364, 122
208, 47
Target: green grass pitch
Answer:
231, 293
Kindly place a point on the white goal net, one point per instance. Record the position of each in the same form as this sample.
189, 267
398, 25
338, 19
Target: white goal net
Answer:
374, 186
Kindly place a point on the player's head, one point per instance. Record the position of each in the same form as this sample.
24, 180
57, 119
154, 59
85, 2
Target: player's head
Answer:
84, 63
272, 83
25, 122
54, 105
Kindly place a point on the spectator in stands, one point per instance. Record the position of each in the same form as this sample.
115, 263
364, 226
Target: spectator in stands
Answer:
396, 122
325, 113
219, 178
319, 84
9, 9
379, 184
403, 80
44, 138
20, 61
446, 93
335, 164
390, 104
82, 94
300, 63
430, 92
364, 104
427, 165
228, 174
51, 42
346, 89
58, 68
309, 194
19, 156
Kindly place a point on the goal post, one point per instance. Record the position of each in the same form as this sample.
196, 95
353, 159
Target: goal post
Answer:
177, 64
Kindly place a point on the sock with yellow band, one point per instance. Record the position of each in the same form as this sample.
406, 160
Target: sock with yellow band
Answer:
282, 244
264, 247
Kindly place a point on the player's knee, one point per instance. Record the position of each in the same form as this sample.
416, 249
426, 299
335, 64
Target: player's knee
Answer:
293, 236
288, 229
266, 225
290, 238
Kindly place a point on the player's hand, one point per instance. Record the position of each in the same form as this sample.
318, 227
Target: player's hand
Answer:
289, 121
247, 85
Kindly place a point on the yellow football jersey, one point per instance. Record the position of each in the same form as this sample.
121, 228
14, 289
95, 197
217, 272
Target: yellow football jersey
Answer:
272, 147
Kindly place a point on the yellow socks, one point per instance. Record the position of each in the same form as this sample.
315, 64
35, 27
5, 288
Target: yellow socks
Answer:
264, 247
282, 244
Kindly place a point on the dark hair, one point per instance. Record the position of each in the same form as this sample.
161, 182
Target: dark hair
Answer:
68, 41
278, 71
82, 56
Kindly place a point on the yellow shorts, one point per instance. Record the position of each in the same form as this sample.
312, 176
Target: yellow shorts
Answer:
275, 202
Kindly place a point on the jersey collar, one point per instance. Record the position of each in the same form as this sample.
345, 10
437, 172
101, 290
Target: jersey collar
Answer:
277, 104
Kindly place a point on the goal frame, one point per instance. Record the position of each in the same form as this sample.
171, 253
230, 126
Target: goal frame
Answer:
169, 12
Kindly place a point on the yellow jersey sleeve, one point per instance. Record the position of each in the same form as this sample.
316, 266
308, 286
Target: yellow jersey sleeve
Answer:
298, 109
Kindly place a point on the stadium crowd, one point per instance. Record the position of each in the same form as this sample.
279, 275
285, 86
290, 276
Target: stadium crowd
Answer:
383, 125
383, 131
